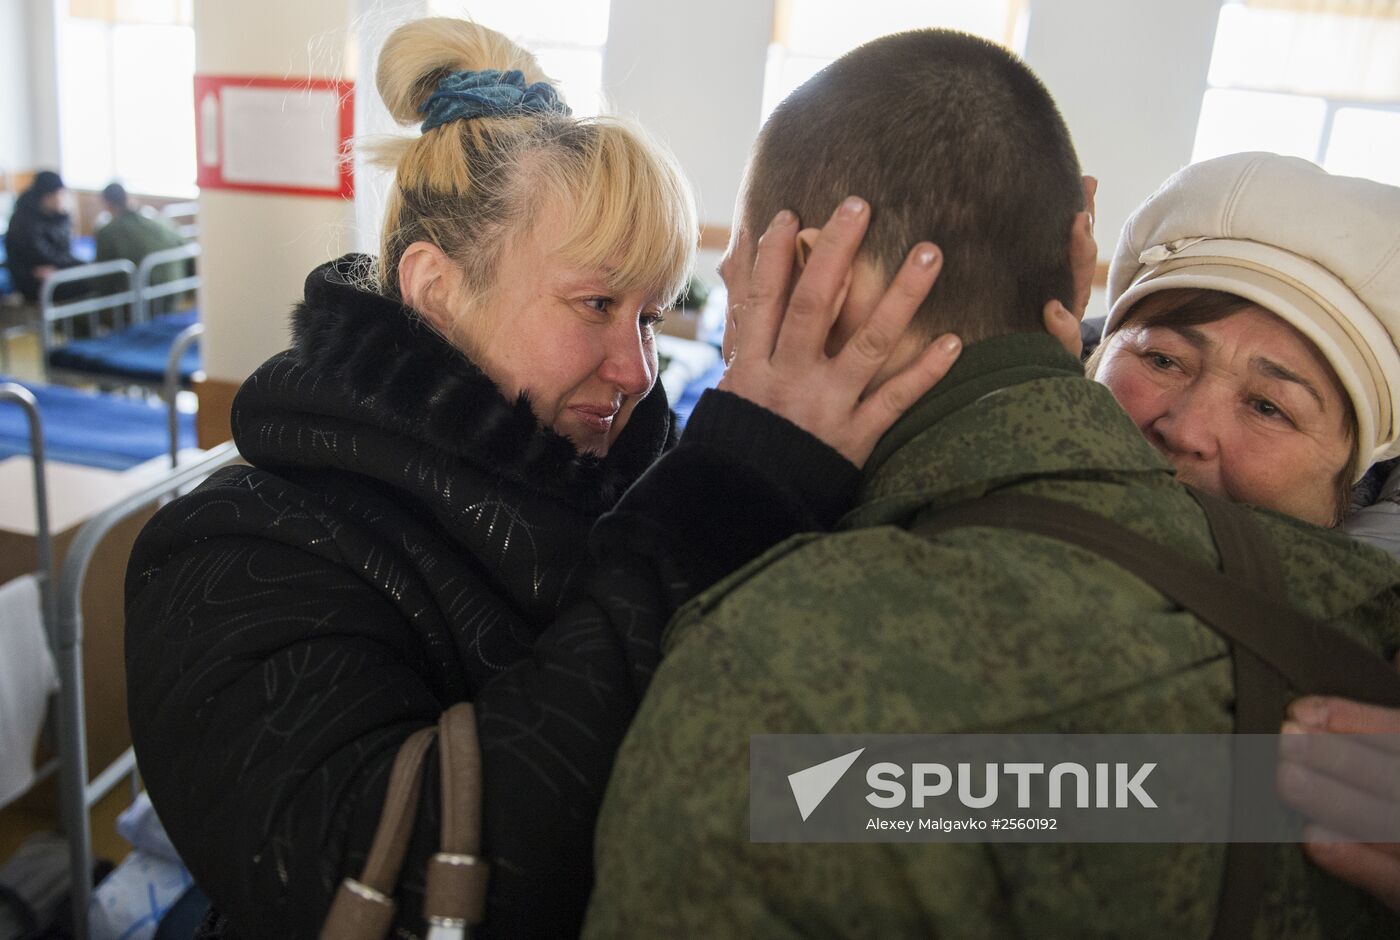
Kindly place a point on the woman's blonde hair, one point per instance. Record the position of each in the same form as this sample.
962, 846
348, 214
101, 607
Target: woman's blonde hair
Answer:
469, 186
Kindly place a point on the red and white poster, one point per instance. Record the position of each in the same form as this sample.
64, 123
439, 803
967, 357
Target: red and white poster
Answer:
274, 135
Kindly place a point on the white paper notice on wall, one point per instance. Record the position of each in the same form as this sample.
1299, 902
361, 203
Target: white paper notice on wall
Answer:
275, 135
280, 137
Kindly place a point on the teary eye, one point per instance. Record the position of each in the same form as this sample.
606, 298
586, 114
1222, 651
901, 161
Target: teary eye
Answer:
1161, 360
1267, 409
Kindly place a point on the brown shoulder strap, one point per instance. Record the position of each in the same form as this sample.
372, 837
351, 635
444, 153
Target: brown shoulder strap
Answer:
457, 876
1271, 644
1261, 702
363, 908
1314, 657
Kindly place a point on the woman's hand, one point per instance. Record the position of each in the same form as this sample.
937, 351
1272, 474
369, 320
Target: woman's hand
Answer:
781, 331
1063, 327
1336, 781
1061, 322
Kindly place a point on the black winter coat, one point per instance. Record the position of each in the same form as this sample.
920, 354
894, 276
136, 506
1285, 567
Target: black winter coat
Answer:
406, 538
36, 238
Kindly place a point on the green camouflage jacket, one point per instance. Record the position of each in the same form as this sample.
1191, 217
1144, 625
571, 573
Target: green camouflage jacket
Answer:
876, 629
133, 236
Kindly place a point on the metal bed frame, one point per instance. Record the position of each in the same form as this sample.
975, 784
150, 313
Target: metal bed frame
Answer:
77, 794
52, 312
138, 295
61, 610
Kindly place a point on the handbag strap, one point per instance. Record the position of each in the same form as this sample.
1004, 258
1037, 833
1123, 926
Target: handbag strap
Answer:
1272, 645
363, 908
457, 875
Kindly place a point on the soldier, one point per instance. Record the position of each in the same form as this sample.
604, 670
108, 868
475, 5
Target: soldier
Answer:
883, 628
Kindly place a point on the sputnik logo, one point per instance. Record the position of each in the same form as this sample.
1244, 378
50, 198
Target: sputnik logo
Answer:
810, 786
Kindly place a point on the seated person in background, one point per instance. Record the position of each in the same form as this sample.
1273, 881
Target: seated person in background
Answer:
39, 240
880, 629
133, 235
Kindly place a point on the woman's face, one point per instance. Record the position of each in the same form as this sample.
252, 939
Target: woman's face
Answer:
1244, 407
585, 354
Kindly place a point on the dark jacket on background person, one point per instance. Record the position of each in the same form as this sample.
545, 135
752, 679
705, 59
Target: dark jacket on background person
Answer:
34, 239
406, 539
878, 628
1374, 514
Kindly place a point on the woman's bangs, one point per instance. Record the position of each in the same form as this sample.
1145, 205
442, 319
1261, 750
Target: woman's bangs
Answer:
634, 215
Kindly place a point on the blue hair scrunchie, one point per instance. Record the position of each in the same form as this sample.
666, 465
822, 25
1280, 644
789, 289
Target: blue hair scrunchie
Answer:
464, 95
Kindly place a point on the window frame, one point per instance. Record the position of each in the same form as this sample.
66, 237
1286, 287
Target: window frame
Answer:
1332, 103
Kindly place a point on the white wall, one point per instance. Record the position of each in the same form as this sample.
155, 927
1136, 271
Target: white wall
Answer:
42, 21
692, 73
258, 247
16, 114
1129, 76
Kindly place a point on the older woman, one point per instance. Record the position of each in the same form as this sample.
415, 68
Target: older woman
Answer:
429, 460
1252, 335
1252, 330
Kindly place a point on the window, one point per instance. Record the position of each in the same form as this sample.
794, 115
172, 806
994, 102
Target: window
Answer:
1318, 79
567, 36
126, 76
810, 34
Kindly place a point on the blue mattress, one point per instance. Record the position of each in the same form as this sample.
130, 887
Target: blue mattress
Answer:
691, 396
137, 353
91, 429
84, 247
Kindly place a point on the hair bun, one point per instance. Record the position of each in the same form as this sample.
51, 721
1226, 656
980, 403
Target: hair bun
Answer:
417, 55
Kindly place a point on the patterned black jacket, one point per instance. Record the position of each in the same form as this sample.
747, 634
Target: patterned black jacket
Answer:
406, 538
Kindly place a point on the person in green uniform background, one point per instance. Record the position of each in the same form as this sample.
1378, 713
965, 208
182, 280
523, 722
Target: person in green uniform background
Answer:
133, 235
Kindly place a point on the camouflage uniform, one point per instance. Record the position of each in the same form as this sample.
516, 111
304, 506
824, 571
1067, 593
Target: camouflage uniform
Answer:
877, 629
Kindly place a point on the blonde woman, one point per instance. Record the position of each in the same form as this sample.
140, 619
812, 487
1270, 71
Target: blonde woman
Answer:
430, 462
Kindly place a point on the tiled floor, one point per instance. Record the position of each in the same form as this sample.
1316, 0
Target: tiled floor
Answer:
24, 358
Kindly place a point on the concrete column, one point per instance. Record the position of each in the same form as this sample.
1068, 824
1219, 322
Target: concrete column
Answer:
42, 23
692, 74
16, 110
1129, 77
258, 248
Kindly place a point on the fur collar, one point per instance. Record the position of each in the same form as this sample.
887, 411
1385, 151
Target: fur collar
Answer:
368, 362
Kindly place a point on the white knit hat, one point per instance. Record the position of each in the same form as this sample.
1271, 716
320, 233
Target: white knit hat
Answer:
1320, 251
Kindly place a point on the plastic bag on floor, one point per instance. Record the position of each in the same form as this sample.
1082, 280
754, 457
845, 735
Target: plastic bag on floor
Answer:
130, 902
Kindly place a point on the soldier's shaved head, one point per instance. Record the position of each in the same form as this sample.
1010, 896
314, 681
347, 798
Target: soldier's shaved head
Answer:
951, 139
